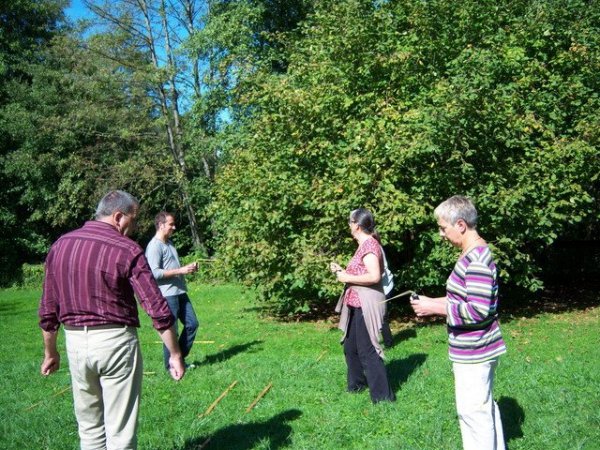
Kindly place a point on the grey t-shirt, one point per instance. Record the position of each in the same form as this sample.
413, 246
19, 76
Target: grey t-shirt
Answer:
163, 257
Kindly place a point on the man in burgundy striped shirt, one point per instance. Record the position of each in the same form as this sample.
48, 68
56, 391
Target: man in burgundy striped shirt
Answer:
91, 277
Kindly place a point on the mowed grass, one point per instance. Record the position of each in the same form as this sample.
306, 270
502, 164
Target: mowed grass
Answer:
548, 385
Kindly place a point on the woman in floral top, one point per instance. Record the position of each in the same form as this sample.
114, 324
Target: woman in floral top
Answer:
362, 308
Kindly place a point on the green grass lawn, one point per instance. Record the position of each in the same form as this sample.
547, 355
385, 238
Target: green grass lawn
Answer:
548, 385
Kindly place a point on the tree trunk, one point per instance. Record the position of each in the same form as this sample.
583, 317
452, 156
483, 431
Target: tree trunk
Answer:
154, 28
172, 121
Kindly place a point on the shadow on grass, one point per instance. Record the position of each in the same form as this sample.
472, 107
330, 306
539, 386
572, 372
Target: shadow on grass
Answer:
258, 309
227, 353
276, 431
9, 308
404, 335
513, 418
400, 369
554, 298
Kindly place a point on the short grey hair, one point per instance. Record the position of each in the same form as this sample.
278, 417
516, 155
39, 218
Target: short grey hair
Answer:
456, 208
116, 201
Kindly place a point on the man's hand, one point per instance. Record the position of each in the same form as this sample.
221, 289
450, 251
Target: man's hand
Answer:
50, 364
176, 367
189, 268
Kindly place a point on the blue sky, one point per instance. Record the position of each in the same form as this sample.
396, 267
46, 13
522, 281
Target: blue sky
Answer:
76, 10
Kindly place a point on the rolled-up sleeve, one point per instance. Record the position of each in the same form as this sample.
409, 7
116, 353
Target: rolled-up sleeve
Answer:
48, 312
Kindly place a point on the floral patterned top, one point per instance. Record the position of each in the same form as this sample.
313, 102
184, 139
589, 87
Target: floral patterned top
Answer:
356, 266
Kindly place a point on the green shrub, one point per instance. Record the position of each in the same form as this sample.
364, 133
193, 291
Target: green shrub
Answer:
210, 271
396, 106
32, 275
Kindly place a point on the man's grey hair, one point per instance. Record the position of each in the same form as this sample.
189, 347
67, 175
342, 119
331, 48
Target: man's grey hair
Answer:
116, 201
456, 208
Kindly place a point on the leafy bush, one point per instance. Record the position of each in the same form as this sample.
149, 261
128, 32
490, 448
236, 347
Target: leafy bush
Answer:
32, 275
396, 106
209, 270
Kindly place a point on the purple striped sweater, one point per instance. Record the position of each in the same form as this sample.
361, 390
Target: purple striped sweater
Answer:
472, 291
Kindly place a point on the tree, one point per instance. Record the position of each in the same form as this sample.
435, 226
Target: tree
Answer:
396, 106
26, 28
76, 124
158, 30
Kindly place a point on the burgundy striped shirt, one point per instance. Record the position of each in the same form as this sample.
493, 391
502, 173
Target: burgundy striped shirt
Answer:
91, 276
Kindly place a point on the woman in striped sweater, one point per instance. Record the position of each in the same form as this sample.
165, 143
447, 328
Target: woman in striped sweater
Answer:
470, 306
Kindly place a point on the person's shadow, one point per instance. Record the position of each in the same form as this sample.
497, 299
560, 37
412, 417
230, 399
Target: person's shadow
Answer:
404, 335
227, 353
513, 417
246, 436
400, 369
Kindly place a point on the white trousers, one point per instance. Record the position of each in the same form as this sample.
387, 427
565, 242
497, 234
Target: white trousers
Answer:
478, 413
106, 374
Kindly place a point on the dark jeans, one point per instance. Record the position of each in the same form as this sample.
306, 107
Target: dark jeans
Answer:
182, 310
365, 367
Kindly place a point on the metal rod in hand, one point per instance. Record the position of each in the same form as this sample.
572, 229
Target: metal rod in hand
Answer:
399, 295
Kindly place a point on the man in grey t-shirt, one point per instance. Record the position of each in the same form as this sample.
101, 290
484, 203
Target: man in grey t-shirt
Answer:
166, 269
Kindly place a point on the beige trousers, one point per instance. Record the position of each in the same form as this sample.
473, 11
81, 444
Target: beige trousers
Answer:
478, 413
106, 374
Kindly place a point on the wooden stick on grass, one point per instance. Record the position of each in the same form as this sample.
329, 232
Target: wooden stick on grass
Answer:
204, 444
62, 391
211, 407
261, 395
321, 355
